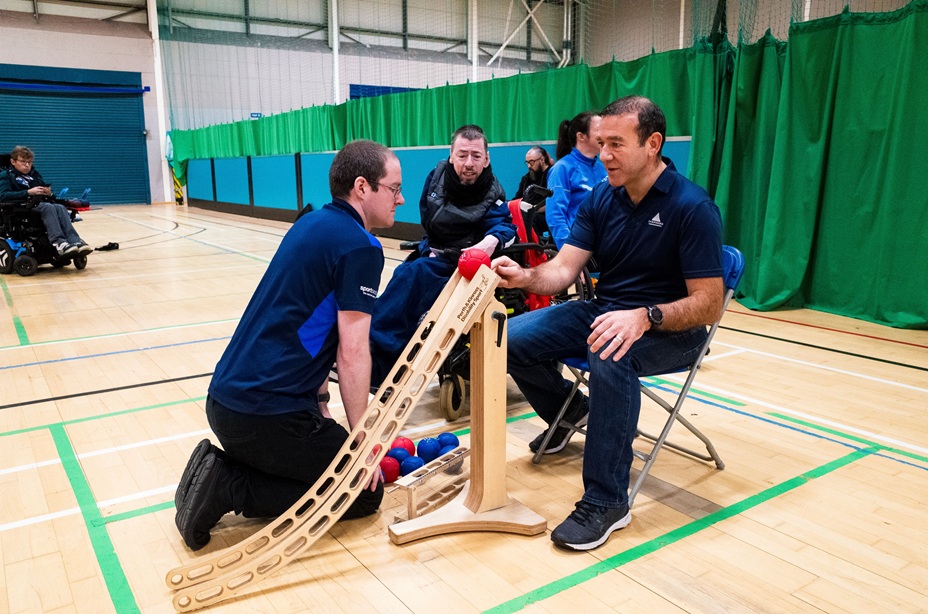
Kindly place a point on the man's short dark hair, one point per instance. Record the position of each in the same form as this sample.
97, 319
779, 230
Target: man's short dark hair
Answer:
650, 117
22, 153
358, 159
470, 132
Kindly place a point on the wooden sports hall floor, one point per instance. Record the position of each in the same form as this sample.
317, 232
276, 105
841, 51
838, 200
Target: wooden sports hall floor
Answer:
821, 420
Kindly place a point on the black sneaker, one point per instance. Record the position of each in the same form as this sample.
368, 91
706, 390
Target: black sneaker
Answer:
576, 414
196, 457
207, 501
83, 248
589, 526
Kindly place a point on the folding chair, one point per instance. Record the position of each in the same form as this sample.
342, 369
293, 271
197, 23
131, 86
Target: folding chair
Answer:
732, 267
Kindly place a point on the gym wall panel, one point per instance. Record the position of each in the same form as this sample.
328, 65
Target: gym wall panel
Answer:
232, 180
273, 181
200, 179
315, 178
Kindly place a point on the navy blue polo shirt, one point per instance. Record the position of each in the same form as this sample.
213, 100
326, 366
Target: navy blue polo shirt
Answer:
286, 342
647, 252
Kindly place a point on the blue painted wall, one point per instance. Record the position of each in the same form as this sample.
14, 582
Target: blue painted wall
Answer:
232, 180
273, 180
200, 179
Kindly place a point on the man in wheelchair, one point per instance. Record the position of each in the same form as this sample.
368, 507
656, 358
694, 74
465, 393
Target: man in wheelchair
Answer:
462, 206
22, 183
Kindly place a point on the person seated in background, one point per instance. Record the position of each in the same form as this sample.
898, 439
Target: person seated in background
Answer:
462, 206
21, 182
538, 161
575, 174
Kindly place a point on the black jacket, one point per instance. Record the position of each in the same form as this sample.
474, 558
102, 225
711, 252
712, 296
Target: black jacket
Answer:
14, 186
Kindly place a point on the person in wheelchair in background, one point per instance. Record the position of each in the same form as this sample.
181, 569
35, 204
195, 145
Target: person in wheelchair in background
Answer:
462, 206
23, 183
538, 161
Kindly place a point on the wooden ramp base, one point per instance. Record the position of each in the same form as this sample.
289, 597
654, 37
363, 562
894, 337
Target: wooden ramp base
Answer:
455, 517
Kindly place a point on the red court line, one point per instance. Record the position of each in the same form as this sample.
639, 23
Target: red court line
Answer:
836, 330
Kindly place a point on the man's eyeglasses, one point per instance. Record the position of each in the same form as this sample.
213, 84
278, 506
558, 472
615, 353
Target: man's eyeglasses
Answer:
396, 190
532, 162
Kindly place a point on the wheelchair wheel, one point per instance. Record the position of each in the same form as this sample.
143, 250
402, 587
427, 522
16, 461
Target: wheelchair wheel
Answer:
80, 262
25, 265
451, 397
580, 290
6, 257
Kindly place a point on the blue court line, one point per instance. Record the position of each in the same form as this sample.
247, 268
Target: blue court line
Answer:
86, 356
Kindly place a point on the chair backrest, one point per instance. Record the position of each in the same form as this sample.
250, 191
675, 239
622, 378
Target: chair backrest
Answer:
732, 266
5, 161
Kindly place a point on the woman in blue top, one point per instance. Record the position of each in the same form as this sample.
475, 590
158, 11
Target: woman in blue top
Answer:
575, 174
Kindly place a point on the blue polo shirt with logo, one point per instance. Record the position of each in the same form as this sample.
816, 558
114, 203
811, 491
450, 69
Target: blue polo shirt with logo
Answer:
286, 342
647, 252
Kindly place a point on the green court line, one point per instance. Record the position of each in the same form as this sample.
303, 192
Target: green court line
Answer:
101, 416
17, 322
113, 575
636, 552
509, 420
709, 395
151, 509
830, 431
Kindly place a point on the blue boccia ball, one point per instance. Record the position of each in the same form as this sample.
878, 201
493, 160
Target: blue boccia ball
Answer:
400, 454
410, 464
446, 449
448, 439
428, 449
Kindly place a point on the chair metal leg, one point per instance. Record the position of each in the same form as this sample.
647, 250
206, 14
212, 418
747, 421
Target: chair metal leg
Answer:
579, 380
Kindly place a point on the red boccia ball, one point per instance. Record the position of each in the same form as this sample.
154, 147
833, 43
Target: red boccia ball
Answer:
470, 261
391, 469
405, 443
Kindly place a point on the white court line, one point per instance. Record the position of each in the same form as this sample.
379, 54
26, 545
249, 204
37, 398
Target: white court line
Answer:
832, 369
88, 283
726, 354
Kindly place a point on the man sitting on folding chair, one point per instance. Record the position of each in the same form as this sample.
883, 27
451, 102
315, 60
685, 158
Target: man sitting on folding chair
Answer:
657, 239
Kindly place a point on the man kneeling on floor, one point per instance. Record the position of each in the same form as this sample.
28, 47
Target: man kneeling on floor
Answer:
657, 239
267, 398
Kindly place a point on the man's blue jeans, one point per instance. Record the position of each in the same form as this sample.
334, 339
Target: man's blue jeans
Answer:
538, 339
57, 223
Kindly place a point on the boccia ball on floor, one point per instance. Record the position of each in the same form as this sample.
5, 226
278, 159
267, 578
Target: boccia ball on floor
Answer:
404, 443
390, 468
411, 464
428, 449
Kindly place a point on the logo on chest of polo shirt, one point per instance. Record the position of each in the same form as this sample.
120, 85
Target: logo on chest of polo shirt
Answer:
656, 221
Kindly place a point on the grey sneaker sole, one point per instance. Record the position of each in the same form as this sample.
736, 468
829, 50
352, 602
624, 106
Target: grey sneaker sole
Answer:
619, 524
201, 450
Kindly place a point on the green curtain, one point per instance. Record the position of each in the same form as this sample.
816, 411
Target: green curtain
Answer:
844, 229
746, 154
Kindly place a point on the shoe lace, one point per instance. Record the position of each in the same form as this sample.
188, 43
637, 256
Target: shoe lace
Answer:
584, 510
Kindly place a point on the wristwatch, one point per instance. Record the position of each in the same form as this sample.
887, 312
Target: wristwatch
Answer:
655, 316
323, 398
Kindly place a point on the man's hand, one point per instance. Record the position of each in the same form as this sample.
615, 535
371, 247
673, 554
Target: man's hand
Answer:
488, 245
376, 476
512, 275
40, 190
615, 331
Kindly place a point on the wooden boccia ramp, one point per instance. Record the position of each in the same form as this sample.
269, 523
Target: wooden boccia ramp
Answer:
483, 505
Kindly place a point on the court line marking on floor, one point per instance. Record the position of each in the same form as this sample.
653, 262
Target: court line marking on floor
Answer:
806, 363
117, 335
869, 434
89, 283
636, 552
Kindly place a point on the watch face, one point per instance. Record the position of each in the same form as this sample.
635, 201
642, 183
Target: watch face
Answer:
655, 315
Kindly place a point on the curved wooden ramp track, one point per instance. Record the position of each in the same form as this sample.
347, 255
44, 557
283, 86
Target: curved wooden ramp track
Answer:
223, 574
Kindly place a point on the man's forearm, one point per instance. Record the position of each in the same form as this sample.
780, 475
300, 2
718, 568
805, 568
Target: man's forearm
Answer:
701, 308
354, 383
